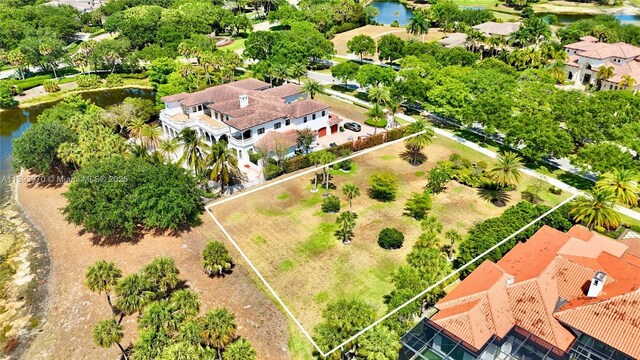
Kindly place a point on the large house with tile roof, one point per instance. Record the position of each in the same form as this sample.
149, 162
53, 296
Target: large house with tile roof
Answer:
559, 296
588, 55
246, 114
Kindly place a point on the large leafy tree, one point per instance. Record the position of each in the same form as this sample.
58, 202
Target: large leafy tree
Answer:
119, 197
361, 45
101, 277
36, 149
596, 211
345, 71
390, 47
623, 184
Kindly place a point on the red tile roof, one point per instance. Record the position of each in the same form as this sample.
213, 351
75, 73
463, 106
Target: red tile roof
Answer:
540, 286
273, 139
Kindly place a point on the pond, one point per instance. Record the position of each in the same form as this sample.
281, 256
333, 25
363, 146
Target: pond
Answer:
570, 18
391, 11
14, 122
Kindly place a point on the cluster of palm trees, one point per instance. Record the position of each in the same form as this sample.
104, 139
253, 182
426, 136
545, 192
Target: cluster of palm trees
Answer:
381, 98
211, 66
597, 211
216, 162
419, 24
606, 72
168, 317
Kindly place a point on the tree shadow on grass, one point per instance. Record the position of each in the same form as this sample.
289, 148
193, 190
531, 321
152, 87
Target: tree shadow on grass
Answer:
413, 159
497, 196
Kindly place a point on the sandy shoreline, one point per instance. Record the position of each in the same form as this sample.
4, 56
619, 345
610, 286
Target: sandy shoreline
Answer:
73, 310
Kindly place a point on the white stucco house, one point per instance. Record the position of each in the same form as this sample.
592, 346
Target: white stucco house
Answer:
588, 55
246, 114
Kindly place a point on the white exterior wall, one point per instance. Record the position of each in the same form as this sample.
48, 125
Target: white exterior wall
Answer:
173, 108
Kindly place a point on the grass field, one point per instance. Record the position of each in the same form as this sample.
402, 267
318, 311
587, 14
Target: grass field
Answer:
291, 241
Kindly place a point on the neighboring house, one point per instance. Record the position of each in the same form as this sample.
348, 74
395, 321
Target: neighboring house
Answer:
243, 112
556, 296
501, 30
588, 55
454, 40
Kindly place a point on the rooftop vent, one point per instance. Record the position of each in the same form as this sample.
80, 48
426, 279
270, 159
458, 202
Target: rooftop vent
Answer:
244, 100
510, 281
597, 283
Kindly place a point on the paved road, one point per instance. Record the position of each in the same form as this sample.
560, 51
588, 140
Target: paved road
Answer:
555, 182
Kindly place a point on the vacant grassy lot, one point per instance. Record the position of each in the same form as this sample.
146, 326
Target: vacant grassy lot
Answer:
291, 241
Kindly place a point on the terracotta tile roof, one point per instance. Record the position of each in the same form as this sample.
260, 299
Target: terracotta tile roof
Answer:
495, 28
631, 68
272, 139
304, 107
541, 286
284, 91
589, 38
176, 97
601, 50
334, 119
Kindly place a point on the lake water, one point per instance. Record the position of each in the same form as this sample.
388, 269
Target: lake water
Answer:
391, 11
570, 18
14, 122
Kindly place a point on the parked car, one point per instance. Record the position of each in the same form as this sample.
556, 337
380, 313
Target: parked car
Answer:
355, 127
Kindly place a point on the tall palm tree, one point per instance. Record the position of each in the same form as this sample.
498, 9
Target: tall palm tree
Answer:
319, 157
223, 164
103, 276
351, 191
279, 73
108, 332
604, 72
379, 95
184, 304
133, 293
557, 72
218, 329
623, 184
46, 50
346, 223
507, 171
192, 146
240, 350
627, 82
375, 116
393, 107
168, 147
418, 24
87, 48
151, 136
416, 143
596, 211
454, 237
312, 88
136, 127
297, 71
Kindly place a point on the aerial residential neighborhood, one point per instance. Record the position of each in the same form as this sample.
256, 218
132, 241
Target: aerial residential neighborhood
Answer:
320, 179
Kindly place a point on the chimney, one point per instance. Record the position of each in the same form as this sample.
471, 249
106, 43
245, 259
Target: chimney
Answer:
510, 281
597, 283
244, 101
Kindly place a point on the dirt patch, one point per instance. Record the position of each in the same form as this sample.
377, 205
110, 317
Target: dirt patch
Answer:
73, 310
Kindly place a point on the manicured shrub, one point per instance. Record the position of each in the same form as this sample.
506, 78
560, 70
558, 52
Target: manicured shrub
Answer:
368, 142
331, 204
379, 123
296, 163
114, 80
272, 171
438, 179
88, 81
51, 86
555, 190
383, 186
390, 238
417, 205
6, 95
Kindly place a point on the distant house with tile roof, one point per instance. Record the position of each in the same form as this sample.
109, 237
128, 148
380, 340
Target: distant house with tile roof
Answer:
243, 112
588, 55
502, 30
559, 296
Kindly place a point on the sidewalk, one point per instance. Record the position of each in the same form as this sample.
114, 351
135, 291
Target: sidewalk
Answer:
555, 182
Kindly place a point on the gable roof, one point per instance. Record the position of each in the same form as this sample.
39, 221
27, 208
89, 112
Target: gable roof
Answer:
540, 286
601, 50
495, 28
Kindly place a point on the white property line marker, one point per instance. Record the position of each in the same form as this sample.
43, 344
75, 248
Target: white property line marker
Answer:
302, 173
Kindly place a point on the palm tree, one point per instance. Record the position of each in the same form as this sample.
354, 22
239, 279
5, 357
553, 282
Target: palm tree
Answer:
596, 211
103, 276
623, 184
351, 191
379, 343
604, 72
279, 72
393, 107
240, 350
218, 329
46, 50
180, 351
416, 143
223, 164
162, 274
346, 223
184, 305
627, 82
136, 127
375, 116
507, 171
431, 224
557, 72
87, 48
109, 332
297, 71
133, 293
216, 259
312, 88
192, 146
379, 95
454, 237
168, 147
151, 136
418, 24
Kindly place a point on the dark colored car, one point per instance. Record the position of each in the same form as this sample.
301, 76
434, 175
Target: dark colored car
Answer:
355, 127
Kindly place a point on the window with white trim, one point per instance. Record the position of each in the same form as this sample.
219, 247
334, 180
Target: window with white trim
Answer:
260, 131
277, 125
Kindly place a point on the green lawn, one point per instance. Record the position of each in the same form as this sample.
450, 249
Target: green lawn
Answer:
236, 45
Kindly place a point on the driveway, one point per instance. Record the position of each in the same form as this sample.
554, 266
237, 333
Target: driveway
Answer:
342, 137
